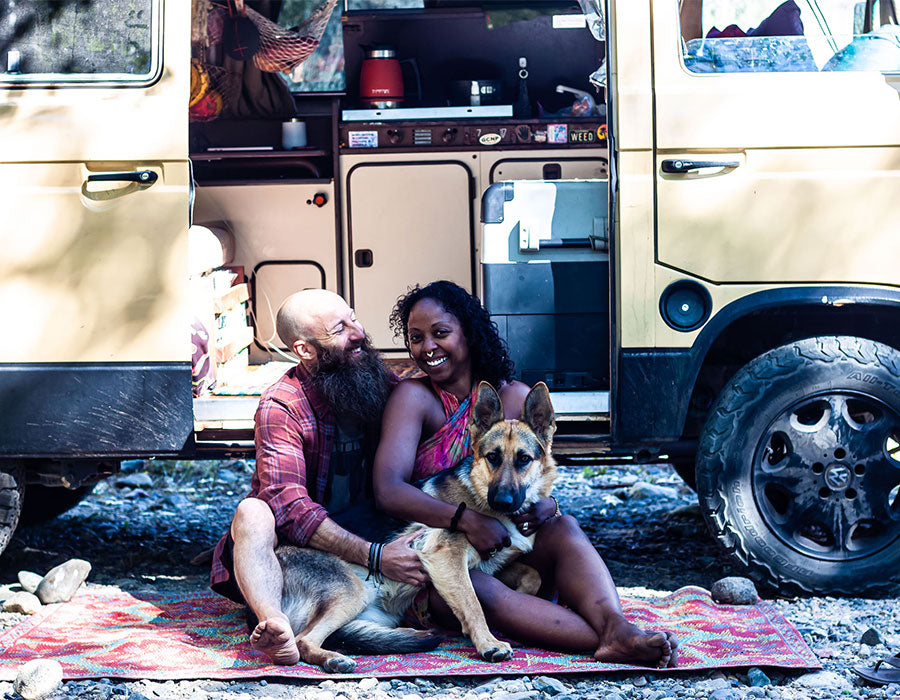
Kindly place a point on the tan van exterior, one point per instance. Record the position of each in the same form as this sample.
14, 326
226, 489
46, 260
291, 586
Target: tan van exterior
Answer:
754, 296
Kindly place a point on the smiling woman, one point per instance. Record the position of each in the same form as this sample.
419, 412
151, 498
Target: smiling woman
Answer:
426, 432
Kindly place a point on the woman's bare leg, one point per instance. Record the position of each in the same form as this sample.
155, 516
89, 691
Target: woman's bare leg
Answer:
564, 555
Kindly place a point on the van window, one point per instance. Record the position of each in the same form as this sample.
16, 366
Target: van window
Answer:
76, 41
760, 36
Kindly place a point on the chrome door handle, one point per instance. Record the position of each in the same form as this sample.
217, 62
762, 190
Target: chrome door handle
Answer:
671, 165
142, 177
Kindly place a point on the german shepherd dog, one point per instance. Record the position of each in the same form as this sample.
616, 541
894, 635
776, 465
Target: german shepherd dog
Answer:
330, 602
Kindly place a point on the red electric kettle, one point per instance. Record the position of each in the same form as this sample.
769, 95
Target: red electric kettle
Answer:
380, 79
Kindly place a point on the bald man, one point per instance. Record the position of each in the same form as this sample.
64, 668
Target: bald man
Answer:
315, 437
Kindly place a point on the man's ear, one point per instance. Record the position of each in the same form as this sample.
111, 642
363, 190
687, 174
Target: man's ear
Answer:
486, 412
304, 350
538, 413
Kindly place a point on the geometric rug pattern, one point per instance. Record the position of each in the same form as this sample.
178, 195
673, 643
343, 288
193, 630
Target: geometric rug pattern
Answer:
107, 633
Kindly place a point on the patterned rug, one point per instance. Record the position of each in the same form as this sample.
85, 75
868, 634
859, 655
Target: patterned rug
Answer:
107, 633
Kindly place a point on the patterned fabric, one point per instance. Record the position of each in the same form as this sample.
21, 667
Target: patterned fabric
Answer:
107, 633
294, 440
450, 444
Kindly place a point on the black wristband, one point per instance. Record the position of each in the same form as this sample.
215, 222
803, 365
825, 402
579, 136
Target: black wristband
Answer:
454, 521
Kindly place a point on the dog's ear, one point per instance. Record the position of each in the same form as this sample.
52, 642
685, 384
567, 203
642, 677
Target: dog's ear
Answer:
538, 413
486, 412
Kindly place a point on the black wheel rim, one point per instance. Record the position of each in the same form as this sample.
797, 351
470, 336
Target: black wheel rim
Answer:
826, 476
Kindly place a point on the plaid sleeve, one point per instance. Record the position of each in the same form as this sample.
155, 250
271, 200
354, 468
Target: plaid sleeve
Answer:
281, 470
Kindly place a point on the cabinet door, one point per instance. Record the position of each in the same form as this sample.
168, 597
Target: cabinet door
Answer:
408, 223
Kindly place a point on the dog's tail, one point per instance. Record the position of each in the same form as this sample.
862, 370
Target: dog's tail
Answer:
367, 637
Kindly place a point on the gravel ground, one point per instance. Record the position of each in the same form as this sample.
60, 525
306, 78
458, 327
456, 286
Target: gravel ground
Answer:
141, 529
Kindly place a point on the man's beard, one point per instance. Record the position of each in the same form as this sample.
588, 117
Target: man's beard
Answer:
356, 387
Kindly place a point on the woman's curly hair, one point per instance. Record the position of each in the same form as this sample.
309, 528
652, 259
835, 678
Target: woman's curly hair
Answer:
487, 352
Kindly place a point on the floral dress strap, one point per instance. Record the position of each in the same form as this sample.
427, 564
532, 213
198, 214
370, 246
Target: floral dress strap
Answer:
450, 444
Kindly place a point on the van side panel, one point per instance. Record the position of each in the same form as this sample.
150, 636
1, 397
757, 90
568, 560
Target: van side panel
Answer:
95, 409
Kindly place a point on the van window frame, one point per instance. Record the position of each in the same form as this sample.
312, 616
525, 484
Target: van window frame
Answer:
122, 80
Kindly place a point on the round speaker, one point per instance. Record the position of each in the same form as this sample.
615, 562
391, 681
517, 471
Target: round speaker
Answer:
685, 305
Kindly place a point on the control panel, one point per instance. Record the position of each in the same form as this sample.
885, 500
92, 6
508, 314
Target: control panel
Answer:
415, 135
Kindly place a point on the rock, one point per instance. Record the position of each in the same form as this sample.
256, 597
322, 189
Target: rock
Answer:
61, 582
524, 695
722, 694
871, 636
734, 590
640, 682
757, 679
368, 683
823, 679
614, 696
130, 466
712, 684
226, 476
548, 685
29, 580
687, 510
9, 589
138, 480
22, 602
38, 678
177, 501
641, 490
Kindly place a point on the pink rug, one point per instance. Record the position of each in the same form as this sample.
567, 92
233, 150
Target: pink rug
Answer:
104, 633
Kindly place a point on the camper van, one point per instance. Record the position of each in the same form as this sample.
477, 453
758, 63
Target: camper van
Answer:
682, 215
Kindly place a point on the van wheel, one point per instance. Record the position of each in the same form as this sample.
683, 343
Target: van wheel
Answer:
43, 503
12, 488
798, 469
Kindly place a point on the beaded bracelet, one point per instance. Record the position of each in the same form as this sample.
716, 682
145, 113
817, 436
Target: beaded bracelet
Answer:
375, 552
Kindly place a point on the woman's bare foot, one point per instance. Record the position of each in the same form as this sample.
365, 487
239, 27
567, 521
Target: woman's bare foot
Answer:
624, 642
274, 638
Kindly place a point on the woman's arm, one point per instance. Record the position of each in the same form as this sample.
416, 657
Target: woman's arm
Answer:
401, 431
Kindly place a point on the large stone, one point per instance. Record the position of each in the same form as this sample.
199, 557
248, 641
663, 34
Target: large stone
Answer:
871, 637
823, 679
641, 490
29, 580
22, 602
38, 679
139, 480
734, 590
758, 679
61, 582
548, 685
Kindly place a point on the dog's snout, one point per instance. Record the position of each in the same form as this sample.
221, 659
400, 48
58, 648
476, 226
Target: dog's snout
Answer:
506, 499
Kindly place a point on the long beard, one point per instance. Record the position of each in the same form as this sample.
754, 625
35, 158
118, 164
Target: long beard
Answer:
355, 387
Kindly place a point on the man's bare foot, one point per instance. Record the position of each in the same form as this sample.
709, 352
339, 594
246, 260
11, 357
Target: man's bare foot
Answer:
274, 638
627, 643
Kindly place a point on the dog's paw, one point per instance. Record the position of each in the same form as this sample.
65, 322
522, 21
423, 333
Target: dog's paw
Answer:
339, 664
495, 654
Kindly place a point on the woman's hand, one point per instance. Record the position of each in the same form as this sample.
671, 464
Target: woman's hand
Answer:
486, 534
531, 520
400, 562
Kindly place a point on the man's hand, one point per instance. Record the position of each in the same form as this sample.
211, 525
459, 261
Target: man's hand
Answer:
486, 534
400, 562
531, 520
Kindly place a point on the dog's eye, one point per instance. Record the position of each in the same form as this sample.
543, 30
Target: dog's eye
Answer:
494, 458
523, 459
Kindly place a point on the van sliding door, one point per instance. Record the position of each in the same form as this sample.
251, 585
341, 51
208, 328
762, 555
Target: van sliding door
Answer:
94, 206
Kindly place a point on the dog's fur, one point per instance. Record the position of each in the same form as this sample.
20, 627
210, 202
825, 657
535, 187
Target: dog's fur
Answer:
326, 598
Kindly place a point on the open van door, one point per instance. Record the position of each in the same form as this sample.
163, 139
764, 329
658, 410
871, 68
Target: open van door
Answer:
94, 210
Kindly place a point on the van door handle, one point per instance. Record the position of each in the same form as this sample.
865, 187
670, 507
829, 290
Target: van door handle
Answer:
142, 177
682, 166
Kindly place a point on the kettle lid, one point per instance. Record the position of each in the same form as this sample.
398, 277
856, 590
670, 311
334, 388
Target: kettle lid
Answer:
380, 51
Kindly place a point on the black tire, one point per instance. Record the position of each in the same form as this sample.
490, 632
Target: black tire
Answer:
798, 469
43, 503
12, 489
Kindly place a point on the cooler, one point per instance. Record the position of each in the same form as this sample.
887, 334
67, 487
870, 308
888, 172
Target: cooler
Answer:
545, 258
